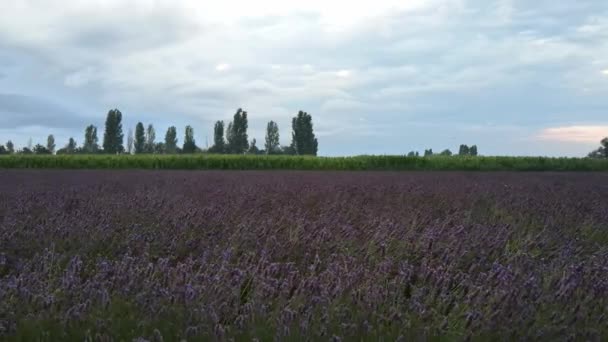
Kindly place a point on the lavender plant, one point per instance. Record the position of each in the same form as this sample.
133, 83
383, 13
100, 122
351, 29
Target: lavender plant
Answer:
164, 256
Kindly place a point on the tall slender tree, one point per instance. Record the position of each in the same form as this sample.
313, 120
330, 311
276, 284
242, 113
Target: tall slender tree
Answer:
473, 151
10, 147
272, 144
303, 137
464, 150
113, 136
140, 139
109, 135
150, 139
237, 136
91, 143
71, 148
229, 138
50, 144
130, 141
171, 140
219, 144
189, 142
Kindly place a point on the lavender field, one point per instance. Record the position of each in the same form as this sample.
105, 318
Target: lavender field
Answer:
363, 256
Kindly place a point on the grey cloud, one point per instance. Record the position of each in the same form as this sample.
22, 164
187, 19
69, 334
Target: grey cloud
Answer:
117, 33
22, 110
495, 62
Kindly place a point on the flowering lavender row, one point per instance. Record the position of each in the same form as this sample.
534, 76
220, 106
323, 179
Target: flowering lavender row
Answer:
169, 256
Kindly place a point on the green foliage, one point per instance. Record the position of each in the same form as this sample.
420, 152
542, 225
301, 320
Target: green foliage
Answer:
473, 151
602, 152
253, 149
91, 142
26, 151
465, 150
40, 149
3, 150
159, 148
171, 140
272, 144
150, 139
189, 142
446, 153
10, 147
265, 162
72, 145
219, 144
238, 142
140, 138
596, 154
303, 136
70, 148
122, 311
287, 151
50, 144
428, 153
113, 136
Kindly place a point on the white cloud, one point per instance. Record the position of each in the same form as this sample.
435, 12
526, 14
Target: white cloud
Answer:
605, 72
222, 67
575, 134
333, 15
343, 73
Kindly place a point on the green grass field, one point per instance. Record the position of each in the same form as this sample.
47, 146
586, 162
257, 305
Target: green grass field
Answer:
253, 162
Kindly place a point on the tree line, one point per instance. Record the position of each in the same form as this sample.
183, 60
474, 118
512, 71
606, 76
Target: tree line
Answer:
464, 150
230, 139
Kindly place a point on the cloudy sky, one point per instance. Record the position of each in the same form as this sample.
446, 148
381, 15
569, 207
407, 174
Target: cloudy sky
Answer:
515, 77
